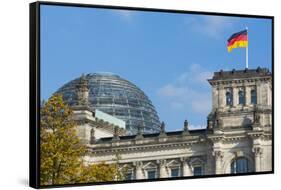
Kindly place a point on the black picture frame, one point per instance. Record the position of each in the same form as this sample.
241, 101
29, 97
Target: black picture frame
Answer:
34, 91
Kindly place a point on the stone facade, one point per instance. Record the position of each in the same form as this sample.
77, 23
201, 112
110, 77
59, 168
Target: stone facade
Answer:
237, 139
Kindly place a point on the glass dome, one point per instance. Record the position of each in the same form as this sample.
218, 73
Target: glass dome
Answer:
118, 97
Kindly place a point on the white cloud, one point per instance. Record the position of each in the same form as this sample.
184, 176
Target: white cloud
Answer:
201, 104
125, 15
181, 93
195, 74
176, 105
171, 90
212, 26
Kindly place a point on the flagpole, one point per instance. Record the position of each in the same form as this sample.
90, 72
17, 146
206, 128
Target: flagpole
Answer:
247, 56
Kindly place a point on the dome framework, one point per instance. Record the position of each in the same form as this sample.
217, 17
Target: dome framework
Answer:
118, 97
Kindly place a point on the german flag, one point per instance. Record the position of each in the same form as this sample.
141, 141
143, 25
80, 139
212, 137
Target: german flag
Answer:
238, 40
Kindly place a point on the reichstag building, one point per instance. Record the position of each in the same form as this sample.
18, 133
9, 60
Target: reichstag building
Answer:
117, 120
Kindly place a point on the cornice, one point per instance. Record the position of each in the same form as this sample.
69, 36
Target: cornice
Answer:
113, 148
240, 81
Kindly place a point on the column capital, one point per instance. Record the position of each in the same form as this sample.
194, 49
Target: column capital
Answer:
138, 164
162, 163
184, 159
218, 154
257, 151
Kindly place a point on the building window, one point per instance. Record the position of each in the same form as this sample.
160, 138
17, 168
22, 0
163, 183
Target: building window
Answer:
151, 174
253, 96
241, 95
197, 170
229, 98
129, 175
175, 172
240, 165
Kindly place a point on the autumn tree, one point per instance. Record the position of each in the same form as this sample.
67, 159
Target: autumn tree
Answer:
61, 152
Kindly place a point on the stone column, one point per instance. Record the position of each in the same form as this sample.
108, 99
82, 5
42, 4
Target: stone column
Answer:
215, 98
218, 159
235, 96
258, 153
162, 169
247, 95
222, 101
186, 171
268, 94
139, 171
259, 95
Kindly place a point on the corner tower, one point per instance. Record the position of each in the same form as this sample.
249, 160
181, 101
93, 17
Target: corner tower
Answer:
241, 99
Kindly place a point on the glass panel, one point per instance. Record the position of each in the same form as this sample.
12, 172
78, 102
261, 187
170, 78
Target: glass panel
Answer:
151, 174
241, 97
175, 172
228, 98
253, 97
197, 170
121, 112
240, 165
129, 176
118, 97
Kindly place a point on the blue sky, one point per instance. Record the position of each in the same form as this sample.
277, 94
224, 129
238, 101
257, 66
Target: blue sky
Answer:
169, 56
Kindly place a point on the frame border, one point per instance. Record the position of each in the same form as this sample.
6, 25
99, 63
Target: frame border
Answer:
34, 90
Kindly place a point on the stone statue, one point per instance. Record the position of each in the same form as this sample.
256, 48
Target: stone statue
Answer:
162, 127
185, 128
140, 129
257, 118
82, 91
210, 124
116, 134
92, 136
139, 132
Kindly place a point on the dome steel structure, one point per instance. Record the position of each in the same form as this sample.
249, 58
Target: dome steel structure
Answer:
118, 97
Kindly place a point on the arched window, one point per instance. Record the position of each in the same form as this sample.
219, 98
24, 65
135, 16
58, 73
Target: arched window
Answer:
228, 96
241, 95
240, 165
253, 96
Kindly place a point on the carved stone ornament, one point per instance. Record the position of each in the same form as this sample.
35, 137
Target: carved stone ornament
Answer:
218, 154
256, 118
138, 164
82, 91
162, 127
257, 151
162, 162
185, 128
239, 154
210, 124
184, 159
116, 133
